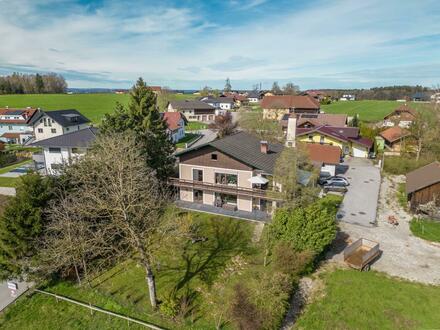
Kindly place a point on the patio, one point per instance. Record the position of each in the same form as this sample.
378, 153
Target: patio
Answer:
253, 216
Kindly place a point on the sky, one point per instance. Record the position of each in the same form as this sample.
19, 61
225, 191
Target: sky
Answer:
190, 44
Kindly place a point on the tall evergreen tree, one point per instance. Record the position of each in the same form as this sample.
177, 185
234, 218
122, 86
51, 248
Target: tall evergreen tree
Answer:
228, 86
144, 119
22, 224
39, 83
276, 88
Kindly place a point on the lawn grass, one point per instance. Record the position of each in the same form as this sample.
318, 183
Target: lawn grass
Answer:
186, 139
8, 182
370, 300
368, 110
195, 126
426, 229
190, 269
93, 106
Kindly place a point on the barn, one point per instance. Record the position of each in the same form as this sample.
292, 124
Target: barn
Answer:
423, 185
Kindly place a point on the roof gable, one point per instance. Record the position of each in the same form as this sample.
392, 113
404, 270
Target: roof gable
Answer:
423, 177
290, 101
80, 138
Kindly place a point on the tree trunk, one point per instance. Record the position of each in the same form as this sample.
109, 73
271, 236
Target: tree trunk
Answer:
149, 274
419, 150
77, 274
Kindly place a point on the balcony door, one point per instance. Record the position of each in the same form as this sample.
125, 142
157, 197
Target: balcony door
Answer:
198, 196
197, 175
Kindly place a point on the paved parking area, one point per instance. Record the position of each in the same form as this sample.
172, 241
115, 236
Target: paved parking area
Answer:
5, 293
359, 206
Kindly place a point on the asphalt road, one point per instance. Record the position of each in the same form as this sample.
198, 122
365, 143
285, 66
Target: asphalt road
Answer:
359, 206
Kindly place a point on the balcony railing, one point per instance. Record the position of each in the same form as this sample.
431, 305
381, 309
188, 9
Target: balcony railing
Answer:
227, 189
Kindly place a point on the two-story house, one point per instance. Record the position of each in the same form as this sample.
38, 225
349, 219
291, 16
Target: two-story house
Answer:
63, 149
219, 103
193, 110
232, 176
48, 124
176, 122
15, 125
274, 107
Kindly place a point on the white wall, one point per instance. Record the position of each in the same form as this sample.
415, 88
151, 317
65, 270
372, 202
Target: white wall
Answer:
42, 132
59, 158
359, 151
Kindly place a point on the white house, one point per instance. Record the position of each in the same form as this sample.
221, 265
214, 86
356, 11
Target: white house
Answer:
193, 110
63, 149
16, 126
220, 103
253, 97
347, 97
47, 124
176, 125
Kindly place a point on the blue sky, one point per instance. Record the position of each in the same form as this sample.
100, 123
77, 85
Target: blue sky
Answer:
190, 44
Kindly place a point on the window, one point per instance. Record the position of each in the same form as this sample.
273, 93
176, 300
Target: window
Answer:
311, 138
53, 130
10, 127
45, 121
198, 196
322, 139
214, 156
197, 175
78, 151
223, 178
54, 150
222, 199
67, 129
40, 130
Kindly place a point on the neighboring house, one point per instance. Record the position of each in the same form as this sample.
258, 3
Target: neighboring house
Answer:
253, 97
325, 157
274, 107
193, 110
306, 120
420, 97
219, 103
347, 97
423, 185
176, 125
395, 138
403, 116
63, 149
15, 125
346, 138
316, 94
232, 174
48, 124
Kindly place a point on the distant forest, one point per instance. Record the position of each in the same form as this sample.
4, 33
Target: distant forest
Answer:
380, 93
18, 83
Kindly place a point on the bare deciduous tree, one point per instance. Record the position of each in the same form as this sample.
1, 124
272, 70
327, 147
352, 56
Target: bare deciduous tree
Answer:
224, 125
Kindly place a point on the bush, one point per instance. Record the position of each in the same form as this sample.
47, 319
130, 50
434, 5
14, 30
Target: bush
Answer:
7, 158
312, 228
243, 312
289, 261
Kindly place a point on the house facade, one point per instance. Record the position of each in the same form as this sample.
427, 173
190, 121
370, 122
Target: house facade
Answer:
15, 125
233, 174
220, 103
47, 124
253, 97
176, 125
395, 139
193, 110
347, 97
275, 107
63, 149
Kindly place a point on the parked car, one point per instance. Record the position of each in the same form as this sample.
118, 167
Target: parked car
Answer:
334, 179
323, 177
338, 186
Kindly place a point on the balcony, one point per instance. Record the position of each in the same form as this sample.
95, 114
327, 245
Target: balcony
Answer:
227, 189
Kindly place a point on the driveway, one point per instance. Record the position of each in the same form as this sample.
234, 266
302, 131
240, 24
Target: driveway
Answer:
208, 135
404, 255
360, 202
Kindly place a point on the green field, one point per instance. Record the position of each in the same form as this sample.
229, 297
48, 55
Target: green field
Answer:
370, 300
426, 229
367, 110
93, 106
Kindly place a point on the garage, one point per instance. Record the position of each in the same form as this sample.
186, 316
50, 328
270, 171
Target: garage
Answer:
360, 151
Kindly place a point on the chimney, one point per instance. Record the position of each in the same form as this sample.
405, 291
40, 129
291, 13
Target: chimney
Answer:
291, 131
264, 147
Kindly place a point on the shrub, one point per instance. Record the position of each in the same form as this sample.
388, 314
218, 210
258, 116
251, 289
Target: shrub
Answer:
243, 312
7, 158
289, 261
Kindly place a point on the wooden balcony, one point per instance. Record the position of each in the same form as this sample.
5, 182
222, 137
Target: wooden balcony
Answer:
226, 189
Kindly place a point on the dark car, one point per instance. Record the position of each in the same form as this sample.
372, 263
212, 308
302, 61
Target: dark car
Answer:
335, 186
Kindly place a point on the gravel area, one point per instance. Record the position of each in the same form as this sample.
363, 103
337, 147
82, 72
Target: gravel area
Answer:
404, 255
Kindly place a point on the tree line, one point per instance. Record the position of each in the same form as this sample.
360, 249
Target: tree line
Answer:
18, 83
380, 93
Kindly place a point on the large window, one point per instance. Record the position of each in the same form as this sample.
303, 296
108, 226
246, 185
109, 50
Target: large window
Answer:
222, 199
54, 150
198, 196
197, 175
224, 178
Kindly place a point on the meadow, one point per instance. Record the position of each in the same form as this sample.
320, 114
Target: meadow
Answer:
93, 106
368, 110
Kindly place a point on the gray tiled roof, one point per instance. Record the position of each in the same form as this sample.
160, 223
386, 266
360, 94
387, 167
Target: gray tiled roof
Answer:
63, 117
245, 148
190, 104
78, 139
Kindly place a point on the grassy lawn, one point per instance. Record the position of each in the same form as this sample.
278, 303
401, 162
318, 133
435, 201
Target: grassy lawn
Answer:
93, 106
370, 300
187, 138
426, 229
8, 182
190, 269
195, 126
368, 110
